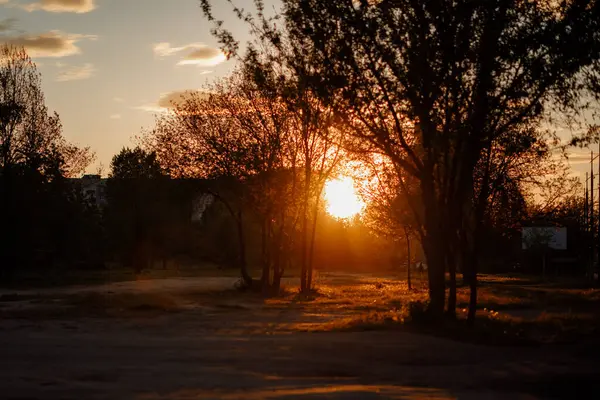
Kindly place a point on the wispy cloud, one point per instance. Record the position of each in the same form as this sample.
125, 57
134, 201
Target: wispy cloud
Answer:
118, 99
169, 101
115, 116
50, 44
60, 6
6, 24
193, 54
76, 73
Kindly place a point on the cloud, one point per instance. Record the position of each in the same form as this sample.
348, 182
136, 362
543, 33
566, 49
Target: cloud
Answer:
195, 54
50, 44
6, 24
169, 101
59, 6
118, 99
76, 73
115, 116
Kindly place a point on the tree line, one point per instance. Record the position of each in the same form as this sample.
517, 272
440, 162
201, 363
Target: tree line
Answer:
439, 110
453, 95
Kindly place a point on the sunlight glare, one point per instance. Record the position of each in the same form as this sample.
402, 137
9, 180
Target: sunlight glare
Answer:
341, 198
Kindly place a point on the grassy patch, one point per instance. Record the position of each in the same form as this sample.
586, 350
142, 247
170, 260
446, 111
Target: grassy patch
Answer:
510, 313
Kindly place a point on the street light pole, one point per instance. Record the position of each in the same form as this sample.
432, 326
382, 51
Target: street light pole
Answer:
586, 217
593, 269
590, 213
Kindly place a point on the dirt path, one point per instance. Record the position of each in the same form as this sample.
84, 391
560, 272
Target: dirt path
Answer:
211, 351
143, 285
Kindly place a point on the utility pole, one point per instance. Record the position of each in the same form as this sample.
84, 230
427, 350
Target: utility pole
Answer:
586, 217
593, 266
592, 241
592, 194
592, 228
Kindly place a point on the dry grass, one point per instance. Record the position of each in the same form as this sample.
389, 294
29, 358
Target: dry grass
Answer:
510, 311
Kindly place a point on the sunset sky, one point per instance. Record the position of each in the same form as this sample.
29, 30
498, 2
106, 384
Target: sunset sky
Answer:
109, 65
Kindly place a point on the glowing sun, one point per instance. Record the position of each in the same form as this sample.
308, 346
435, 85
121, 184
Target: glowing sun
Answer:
341, 198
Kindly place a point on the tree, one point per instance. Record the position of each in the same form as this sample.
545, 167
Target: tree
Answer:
29, 135
269, 61
389, 202
433, 84
34, 159
237, 135
134, 164
136, 206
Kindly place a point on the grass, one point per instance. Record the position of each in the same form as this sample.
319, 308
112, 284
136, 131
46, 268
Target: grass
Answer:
511, 311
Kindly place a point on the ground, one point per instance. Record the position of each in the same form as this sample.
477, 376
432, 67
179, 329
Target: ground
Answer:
196, 338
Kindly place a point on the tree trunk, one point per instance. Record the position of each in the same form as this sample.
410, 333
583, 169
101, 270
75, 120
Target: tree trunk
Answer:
304, 245
277, 274
311, 251
434, 248
472, 299
239, 221
307, 184
303, 260
470, 276
265, 277
435, 275
451, 310
408, 259
242, 250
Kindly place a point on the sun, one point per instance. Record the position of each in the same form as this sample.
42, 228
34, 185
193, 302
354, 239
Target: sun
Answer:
341, 198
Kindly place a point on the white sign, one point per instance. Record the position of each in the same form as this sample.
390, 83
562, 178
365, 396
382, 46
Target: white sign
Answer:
545, 236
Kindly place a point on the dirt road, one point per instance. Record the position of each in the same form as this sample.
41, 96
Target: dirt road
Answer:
214, 352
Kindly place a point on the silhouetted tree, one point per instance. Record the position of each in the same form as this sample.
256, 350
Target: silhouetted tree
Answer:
135, 163
34, 160
393, 208
269, 61
237, 135
136, 206
433, 84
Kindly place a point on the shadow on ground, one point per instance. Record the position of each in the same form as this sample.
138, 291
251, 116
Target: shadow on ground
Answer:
188, 340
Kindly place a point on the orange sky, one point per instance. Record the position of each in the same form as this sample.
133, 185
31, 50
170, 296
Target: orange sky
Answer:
109, 65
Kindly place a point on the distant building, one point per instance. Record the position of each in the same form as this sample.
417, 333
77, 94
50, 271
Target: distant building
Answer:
200, 204
93, 188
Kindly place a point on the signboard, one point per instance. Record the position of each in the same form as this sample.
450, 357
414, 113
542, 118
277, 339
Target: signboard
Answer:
544, 236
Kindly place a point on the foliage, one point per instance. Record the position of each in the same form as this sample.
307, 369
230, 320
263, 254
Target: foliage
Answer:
30, 136
136, 207
41, 211
239, 137
270, 60
135, 164
435, 86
